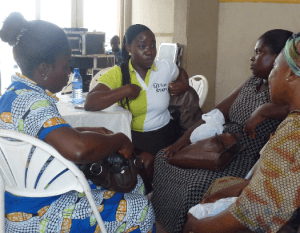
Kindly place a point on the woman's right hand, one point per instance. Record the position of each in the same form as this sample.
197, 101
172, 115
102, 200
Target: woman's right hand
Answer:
173, 149
231, 191
127, 148
213, 197
133, 91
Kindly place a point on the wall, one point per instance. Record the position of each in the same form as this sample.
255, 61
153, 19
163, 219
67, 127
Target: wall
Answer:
196, 27
180, 27
240, 25
158, 15
202, 34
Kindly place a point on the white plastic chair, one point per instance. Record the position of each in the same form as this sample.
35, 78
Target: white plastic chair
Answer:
13, 161
2, 209
94, 80
68, 88
200, 84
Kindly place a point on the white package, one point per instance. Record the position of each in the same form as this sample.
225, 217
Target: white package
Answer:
211, 209
214, 121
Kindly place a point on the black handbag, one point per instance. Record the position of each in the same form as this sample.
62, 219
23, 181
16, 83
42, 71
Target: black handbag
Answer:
114, 173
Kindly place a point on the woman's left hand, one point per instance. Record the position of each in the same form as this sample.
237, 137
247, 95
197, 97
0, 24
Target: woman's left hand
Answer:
255, 118
265, 111
252, 122
176, 88
103, 130
180, 85
190, 224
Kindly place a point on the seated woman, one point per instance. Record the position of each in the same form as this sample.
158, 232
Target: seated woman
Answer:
272, 195
175, 189
42, 51
142, 86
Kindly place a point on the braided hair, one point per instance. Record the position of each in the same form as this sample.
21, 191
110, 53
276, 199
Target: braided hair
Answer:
34, 42
131, 33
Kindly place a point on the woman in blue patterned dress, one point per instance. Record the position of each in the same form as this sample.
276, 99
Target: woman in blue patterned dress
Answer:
42, 51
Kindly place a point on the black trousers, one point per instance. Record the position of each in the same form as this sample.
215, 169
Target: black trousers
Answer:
154, 141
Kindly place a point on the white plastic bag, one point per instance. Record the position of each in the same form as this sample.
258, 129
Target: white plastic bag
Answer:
211, 209
214, 121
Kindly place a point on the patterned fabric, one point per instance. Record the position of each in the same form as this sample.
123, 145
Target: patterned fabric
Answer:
273, 193
71, 212
118, 56
291, 54
222, 183
28, 108
176, 190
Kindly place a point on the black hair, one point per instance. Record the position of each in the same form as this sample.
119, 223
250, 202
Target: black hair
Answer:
114, 37
129, 36
275, 39
34, 42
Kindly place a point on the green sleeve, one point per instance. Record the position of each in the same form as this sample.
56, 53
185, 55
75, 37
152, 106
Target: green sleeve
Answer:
112, 78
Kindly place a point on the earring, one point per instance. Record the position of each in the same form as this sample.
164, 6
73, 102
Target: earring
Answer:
287, 79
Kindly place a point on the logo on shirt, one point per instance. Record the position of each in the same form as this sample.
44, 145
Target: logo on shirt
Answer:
160, 87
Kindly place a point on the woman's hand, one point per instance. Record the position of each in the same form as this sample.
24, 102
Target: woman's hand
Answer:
133, 91
213, 197
265, 111
173, 149
190, 224
176, 88
101, 130
255, 118
127, 148
232, 191
180, 85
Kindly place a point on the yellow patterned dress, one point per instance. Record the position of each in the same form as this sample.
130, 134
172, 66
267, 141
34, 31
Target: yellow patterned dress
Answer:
28, 108
273, 193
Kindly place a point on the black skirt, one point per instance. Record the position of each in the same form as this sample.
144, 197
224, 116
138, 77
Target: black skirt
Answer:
154, 141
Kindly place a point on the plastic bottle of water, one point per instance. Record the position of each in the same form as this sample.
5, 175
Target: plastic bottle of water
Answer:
77, 87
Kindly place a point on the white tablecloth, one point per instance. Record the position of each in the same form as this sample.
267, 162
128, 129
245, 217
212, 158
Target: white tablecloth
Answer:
114, 118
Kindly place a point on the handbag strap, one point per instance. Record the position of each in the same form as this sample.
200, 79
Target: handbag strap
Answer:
238, 144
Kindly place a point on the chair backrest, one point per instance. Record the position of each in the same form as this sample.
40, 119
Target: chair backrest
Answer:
2, 209
171, 52
22, 175
68, 88
94, 80
200, 84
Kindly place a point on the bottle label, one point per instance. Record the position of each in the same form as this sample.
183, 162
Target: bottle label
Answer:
77, 92
77, 85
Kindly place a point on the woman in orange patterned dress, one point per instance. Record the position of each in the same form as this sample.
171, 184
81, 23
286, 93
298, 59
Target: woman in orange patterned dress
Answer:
271, 199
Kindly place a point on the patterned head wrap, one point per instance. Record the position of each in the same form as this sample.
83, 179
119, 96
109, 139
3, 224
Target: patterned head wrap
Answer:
291, 54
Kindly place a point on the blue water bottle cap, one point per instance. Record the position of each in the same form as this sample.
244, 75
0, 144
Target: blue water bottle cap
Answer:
76, 70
